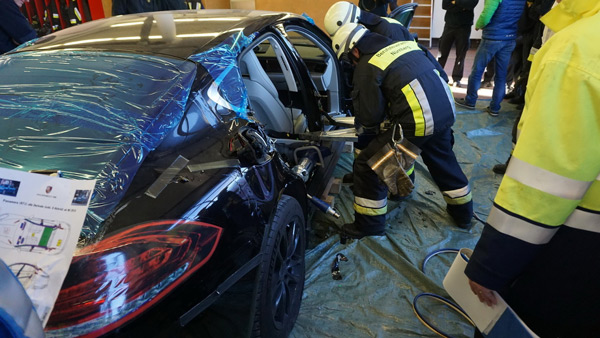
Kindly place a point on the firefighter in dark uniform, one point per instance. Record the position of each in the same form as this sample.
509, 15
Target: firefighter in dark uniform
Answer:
343, 12
395, 80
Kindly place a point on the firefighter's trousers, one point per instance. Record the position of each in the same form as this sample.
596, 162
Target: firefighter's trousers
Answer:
370, 193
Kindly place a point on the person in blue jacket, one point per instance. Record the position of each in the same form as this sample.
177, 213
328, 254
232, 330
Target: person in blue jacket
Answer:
14, 27
498, 20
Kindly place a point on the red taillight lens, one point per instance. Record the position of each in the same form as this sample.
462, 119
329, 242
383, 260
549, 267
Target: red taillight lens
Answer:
116, 279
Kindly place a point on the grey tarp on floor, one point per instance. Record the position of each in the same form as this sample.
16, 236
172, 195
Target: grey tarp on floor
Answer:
383, 274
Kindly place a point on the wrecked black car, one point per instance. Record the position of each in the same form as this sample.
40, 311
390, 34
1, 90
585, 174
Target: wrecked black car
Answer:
205, 131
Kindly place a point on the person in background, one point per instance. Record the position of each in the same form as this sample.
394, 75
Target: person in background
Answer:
395, 80
457, 31
379, 7
499, 23
532, 35
488, 75
539, 248
14, 27
539, 8
121, 7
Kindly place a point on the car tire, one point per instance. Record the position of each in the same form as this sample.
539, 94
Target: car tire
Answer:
281, 273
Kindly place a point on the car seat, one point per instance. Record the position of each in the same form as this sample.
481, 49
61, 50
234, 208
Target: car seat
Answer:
263, 96
404, 13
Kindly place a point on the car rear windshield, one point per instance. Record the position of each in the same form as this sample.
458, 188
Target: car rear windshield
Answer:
109, 91
89, 114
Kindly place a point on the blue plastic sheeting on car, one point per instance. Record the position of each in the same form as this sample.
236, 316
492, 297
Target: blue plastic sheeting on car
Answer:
104, 112
221, 63
383, 273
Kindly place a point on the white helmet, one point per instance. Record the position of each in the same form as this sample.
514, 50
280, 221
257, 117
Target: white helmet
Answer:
339, 14
346, 37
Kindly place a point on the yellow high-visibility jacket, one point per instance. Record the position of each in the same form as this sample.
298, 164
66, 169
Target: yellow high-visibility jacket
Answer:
541, 245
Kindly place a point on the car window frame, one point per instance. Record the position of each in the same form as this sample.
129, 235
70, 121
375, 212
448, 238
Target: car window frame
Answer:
315, 34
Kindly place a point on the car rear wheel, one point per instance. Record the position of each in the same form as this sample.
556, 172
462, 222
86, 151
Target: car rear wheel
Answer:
281, 272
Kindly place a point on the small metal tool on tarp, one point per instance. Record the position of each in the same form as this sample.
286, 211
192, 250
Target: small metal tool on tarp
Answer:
335, 266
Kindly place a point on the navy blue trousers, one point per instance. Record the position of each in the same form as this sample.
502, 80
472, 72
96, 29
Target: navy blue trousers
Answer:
438, 156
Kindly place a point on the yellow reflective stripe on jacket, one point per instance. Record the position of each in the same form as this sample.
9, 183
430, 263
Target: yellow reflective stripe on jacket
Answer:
532, 203
546, 181
365, 206
392, 20
560, 135
387, 55
448, 90
414, 105
417, 100
543, 196
410, 171
458, 196
519, 228
591, 200
584, 220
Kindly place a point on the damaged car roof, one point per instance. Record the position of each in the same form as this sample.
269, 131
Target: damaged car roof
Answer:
175, 34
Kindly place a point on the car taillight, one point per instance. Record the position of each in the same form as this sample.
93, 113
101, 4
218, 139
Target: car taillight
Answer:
112, 281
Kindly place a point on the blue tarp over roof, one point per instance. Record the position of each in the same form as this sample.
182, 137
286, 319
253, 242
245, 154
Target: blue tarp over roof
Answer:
102, 112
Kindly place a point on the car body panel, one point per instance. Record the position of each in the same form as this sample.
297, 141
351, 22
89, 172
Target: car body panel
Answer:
177, 34
122, 100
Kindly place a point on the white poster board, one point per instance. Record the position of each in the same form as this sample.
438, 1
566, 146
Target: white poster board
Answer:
40, 220
494, 321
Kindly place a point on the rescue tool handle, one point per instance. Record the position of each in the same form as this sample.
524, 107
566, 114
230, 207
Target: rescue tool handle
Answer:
323, 206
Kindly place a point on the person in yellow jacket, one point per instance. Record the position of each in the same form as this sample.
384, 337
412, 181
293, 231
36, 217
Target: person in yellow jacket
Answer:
540, 248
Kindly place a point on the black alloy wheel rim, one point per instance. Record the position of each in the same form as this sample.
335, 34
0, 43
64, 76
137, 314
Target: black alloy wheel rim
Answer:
287, 274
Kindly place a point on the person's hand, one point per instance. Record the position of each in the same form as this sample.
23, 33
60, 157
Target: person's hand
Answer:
485, 295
